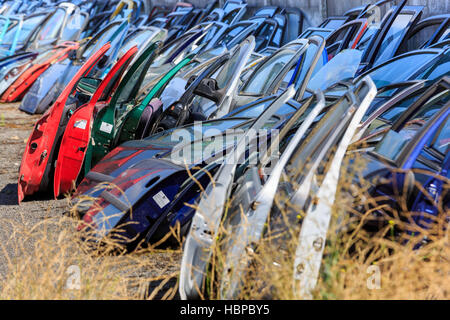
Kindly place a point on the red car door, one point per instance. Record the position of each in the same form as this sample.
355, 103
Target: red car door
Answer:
78, 130
37, 160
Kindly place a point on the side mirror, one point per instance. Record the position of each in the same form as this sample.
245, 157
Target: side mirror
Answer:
209, 89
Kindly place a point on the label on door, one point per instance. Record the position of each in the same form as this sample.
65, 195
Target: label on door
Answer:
161, 199
106, 127
80, 124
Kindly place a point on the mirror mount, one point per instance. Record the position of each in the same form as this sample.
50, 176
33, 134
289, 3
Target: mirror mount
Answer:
208, 88
72, 55
190, 81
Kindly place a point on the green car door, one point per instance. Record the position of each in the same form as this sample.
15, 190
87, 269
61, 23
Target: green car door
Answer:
104, 129
130, 120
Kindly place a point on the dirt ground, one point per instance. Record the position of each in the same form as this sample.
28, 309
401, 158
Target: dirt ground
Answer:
15, 127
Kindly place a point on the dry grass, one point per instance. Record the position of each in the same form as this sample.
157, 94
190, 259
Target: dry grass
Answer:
358, 263
52, 261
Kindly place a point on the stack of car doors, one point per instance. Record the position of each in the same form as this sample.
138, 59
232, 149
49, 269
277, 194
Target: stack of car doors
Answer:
50, 84
32, 50
122, 168
253, 195
222, 123
142, 119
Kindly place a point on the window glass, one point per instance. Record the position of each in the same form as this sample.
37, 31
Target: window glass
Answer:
137, 40
52, 26
132, 82
73, 25
441, 141
256, 109
230, 34
277, 38
260, 80
420, 37
393, 37
293, 28
438, 69
193, 130
230, 6
167, 52
228, 70
445, 35
265, 11
263, 36
394, 142
230, 16
395, 112
400, 69
322, 33
342, 67
340, 34
95, 46
437, 147
366, 38
28, 26
307, 59
334, 24
309, 150
212, 31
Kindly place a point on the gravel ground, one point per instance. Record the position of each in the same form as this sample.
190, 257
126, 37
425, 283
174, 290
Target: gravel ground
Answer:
15, 128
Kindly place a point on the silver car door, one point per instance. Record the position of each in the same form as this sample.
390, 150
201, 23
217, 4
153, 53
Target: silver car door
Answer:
256, 208
311, 242
205, 224
298, 155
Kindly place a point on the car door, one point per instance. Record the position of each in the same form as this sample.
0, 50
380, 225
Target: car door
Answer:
431, 170
109, 120
74, 143
290, 178
38, 157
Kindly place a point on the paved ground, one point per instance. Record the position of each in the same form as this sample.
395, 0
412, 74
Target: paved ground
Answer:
15, 127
